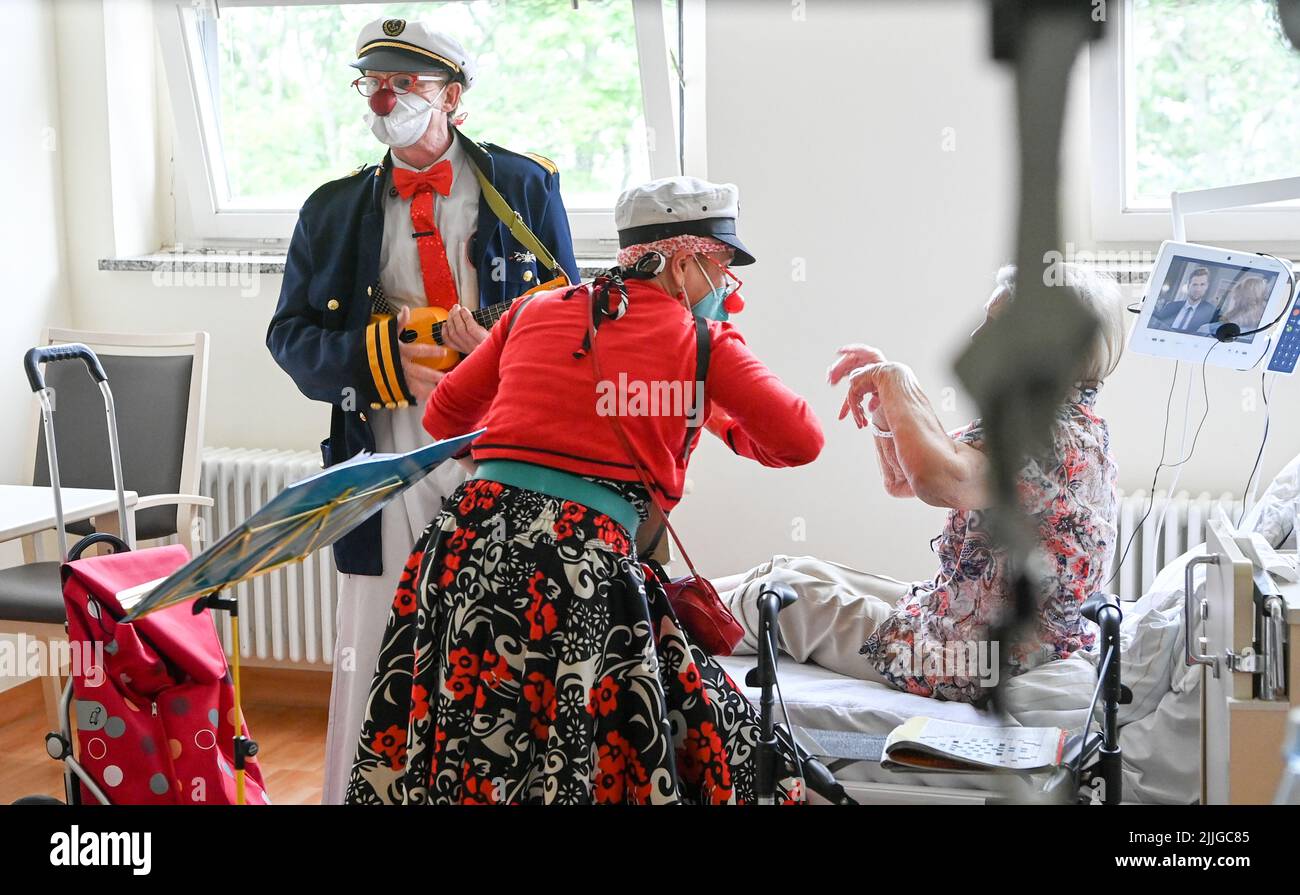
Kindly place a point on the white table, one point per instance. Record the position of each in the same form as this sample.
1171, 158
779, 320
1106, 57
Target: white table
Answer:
28, 509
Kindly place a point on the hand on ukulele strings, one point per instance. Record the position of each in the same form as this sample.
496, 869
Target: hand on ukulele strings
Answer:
461, 331
419, 379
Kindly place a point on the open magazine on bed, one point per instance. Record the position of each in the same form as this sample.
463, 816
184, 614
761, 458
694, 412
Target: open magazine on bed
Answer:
928, 744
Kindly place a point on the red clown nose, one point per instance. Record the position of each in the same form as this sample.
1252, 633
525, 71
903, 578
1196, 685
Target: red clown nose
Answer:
382, 101
733, 303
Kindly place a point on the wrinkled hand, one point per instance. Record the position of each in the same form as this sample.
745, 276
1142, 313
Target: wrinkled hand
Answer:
865, 383
419, 379
461, 331
851, 357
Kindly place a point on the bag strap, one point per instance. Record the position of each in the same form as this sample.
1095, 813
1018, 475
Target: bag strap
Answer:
651, 487
514, 222
514, 314
703, 345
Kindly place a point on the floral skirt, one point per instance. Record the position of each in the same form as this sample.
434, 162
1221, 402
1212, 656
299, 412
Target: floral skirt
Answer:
529, 658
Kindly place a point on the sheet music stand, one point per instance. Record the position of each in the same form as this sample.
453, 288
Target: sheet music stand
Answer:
301, 519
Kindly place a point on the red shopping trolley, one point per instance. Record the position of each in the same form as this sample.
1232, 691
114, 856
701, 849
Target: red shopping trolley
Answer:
148, 714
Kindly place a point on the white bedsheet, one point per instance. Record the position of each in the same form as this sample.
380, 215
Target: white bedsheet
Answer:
1159, 739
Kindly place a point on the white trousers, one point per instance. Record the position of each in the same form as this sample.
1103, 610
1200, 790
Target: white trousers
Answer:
365, 600
837, 610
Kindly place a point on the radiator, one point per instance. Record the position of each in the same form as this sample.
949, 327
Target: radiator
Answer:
286, 617
1185, 518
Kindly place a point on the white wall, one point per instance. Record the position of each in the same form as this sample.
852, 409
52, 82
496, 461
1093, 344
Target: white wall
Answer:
31, 231
834, 129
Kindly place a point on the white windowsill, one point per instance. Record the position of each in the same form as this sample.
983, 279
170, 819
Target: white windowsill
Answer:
227, 261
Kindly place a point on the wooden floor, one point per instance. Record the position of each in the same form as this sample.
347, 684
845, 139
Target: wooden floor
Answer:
286, 713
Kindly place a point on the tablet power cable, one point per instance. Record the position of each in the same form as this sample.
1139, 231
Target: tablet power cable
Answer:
1172, 492
1151, 499
1265, 385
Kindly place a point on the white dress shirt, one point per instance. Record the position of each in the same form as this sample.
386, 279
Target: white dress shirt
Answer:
456, 216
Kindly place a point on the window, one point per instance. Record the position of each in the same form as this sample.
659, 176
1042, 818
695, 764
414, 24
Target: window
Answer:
265, 111
1187, 95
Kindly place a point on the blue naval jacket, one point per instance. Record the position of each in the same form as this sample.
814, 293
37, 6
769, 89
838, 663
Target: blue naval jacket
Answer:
320, 328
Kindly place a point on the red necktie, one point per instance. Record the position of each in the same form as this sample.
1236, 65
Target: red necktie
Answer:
439, 287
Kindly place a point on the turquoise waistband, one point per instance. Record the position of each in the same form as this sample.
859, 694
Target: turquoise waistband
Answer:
562, 485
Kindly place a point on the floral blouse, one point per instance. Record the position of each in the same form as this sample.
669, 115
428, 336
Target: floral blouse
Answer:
934, 642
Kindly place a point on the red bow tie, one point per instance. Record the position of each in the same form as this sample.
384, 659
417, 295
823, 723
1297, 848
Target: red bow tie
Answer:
438, 178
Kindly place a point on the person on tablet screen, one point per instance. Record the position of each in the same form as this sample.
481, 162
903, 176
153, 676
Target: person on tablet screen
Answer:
1192, 311
1244, 306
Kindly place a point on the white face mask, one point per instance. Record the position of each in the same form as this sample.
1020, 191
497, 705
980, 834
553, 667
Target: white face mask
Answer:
406, 124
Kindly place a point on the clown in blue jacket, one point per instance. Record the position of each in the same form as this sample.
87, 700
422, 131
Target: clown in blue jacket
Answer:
441, 222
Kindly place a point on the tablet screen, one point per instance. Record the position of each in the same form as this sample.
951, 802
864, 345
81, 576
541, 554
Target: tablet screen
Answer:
1199, 296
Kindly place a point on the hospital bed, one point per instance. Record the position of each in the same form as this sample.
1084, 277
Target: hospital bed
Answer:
822, 702
1187, 736
1249, 621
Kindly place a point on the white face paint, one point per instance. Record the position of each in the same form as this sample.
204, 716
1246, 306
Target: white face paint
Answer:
406, 124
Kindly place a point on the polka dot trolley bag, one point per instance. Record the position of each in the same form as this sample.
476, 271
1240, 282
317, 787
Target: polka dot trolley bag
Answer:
153, 699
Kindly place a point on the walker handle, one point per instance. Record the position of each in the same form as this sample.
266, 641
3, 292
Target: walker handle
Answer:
50, 353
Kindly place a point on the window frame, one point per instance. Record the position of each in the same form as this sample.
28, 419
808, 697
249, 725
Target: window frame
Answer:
1112, 119
204, 219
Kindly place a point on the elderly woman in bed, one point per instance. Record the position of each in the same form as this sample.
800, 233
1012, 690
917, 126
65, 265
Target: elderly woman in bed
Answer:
929, 637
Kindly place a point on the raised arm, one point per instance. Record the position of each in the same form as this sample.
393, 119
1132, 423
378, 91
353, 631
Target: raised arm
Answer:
940, 470
753, 411
849, 359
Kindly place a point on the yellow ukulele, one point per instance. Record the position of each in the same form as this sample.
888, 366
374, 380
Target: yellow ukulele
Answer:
425, 325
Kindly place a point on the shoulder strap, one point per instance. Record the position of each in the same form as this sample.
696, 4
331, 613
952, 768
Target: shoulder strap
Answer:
652, 487
703, 345
515, 312
514, 222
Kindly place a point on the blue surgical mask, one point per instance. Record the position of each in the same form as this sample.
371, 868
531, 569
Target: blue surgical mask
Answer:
712, 306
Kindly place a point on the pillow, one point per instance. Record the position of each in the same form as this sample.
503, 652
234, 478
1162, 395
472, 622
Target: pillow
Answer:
1151, 641
1151, 652
1275, 514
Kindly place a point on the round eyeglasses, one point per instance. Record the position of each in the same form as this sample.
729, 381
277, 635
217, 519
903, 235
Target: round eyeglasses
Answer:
369, 85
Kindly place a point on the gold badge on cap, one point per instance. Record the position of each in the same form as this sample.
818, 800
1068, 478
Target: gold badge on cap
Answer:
394, 27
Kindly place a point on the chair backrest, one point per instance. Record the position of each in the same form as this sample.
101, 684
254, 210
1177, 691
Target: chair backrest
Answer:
159, 384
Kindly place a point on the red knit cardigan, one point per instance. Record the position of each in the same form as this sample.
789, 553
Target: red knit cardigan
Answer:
541, 404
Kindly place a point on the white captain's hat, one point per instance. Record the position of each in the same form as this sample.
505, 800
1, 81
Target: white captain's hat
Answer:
680, 206
399, 45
